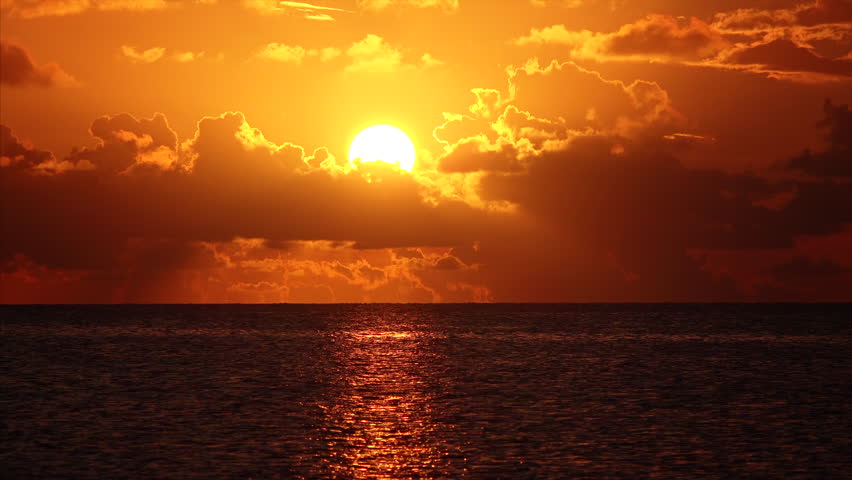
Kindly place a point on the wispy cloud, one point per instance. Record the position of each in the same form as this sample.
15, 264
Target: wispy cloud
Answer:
372, 54
283, 53
150, 55
308, 11
155, 54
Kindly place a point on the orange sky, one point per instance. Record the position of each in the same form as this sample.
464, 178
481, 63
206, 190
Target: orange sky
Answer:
567, 150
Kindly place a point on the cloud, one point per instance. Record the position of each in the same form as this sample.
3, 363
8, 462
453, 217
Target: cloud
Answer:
804, 267
824, 11
783, 58
313, 11
772, 43
658, 37
810, 34
624, 200
373, 54
150, 55
308, 6
562, 3
477, 154
319, 271
306, 10
203, 191
427, 60
15, 154
592, 102
836, 159
818, 12
554, 35
501, 133
186, 57
44, 8
576, 195
155, 54
283, 53
19, 70
126, 144
637, 204
610, 5
377, 5
167, 256
449, 263
329, 53
320, 17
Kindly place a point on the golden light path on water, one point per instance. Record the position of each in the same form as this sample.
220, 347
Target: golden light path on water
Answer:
381, 423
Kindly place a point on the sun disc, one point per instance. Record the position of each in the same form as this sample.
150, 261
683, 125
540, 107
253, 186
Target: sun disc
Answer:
383, 143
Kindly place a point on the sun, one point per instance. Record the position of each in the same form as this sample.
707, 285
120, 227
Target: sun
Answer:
383, 143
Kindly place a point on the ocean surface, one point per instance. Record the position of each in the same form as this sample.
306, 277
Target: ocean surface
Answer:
419, 391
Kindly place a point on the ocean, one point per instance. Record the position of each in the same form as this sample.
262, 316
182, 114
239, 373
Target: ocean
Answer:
426, 391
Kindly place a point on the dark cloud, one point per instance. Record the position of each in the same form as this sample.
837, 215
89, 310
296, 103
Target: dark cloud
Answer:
824, 11
408, 253
816, 12
640, 211
658, 37
228, 182
125, 142
370, 274
661, 37
17, 69
14, 154
665, 35
644, 195
472, 155
836, 160
502, 134
806, 268
586, 100
449, 263
786, 56
789, 44
588, 206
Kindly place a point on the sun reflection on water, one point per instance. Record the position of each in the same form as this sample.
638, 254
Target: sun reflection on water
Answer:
380, 421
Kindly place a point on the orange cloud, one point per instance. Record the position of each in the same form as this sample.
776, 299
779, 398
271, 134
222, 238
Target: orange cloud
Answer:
776, 45
556, 181
376, 5
150, 55
228, 218
283, 53
15, 154
596, 169
309, 11
501, 133
186, 57
223, 183
373, 54
817, 12
657, 37
783, 58
155, 54
19, 70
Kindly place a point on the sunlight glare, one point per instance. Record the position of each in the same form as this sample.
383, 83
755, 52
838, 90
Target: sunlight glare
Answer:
383, 143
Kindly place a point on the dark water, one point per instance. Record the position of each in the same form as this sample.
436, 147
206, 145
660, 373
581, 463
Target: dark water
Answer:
458, 391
